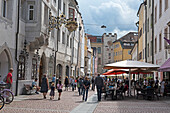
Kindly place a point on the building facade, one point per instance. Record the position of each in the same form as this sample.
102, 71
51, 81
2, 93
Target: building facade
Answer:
31, 48
122, 46
161, 30
97, 43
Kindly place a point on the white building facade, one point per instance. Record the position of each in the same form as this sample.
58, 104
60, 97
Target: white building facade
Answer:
161, 20
30, 48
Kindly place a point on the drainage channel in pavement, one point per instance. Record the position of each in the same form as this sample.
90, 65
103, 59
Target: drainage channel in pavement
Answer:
87, 107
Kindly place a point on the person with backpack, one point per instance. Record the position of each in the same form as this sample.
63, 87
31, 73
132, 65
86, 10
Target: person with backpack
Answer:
80, 86
59, 87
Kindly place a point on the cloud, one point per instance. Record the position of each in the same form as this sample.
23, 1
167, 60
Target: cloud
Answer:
117, 15
121, 33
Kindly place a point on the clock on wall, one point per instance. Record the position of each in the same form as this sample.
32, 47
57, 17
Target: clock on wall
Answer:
109, 43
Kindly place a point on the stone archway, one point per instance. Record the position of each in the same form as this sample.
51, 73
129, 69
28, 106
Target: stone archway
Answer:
59, 70
5, 61
42, 68
67, 71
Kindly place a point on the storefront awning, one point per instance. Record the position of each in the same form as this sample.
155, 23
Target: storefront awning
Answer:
165, 67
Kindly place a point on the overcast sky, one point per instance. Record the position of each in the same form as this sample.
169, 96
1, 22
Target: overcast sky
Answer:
119, 16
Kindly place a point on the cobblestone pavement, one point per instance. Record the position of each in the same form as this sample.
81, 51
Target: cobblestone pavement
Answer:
36, 104
70, 101
133, 106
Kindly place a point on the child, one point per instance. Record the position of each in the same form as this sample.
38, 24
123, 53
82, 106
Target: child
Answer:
59, 87
52, 93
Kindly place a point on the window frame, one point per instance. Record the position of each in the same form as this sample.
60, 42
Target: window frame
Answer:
160, 42
71, 13
155, 45
6, 8
29, 12
156, 14
34, 69
99, 48
160, 8
166, 5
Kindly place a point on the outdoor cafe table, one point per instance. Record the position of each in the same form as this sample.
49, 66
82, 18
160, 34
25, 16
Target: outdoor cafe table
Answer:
113, 93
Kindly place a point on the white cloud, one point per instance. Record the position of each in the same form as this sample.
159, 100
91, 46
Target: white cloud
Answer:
118, 15
121, 33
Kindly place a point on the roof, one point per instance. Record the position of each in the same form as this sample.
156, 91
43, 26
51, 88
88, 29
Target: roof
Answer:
140, 8
130, 37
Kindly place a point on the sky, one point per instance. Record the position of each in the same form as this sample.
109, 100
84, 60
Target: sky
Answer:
119, 16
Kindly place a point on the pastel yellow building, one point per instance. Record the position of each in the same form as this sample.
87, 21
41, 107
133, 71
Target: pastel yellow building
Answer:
141, 34
123, 46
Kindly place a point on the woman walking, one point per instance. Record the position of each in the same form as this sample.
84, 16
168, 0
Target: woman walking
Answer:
44, 86
59, 87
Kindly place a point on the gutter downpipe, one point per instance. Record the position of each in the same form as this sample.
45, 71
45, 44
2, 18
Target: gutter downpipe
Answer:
152, 31
72, 51
145, 3
16, 50
57, 47
78, 49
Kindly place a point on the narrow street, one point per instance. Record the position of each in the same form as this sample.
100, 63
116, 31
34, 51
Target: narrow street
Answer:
72, 103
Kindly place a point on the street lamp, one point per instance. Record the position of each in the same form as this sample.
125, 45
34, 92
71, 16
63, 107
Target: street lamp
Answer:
56, 22
22, 61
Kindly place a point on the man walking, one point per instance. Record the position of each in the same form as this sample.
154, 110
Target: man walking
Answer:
99, 84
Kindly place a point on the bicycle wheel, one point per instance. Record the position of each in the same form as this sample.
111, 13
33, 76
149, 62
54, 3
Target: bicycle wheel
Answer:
8, 96
2, 103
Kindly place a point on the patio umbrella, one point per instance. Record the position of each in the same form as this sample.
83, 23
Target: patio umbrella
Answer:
130, 64
115, 72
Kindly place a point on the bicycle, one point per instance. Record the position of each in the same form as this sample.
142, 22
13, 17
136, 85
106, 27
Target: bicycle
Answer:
2, 103
6, 94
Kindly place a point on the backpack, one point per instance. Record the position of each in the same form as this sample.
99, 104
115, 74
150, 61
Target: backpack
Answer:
5, 79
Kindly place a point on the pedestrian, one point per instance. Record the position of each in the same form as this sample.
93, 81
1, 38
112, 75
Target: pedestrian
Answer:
75, 83
80, 86
72, 83
99, 84
35, 86
93, 84
52, 93
57, 79
66, 82
59, 87
53, 79
9, 79
162, 87
86, 85
44, 86
156, 85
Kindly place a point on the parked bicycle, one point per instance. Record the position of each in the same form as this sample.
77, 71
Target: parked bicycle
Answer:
6, 94
2, 103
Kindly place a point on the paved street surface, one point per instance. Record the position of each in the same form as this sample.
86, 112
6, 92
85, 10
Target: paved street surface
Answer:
72, 103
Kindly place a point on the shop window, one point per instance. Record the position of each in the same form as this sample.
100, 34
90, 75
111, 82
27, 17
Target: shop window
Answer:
21, 68
71, 13
34, 68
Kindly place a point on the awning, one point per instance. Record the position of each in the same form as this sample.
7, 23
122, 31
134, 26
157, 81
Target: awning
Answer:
165, 67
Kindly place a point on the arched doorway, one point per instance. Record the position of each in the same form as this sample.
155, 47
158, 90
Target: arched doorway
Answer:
59, 70
41, 68
67, 71
4, 64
